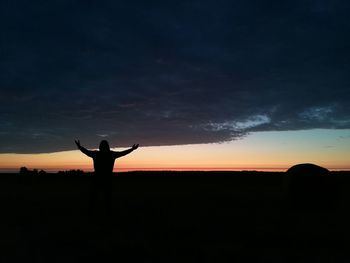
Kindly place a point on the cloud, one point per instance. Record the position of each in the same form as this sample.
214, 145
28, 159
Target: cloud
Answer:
237, 126
169, 73
317, 113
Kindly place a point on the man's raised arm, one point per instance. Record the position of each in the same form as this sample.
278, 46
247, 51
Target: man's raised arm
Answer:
83, 150
122, 153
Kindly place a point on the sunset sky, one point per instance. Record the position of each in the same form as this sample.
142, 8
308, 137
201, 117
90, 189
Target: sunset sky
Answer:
198, 84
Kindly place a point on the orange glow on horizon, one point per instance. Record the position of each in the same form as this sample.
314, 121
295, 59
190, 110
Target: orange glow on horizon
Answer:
260, 151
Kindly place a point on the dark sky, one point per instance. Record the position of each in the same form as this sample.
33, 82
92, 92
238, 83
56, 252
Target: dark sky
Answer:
169, 72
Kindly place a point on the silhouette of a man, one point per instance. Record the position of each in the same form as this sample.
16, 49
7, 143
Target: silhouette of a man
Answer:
104, 158
103, 165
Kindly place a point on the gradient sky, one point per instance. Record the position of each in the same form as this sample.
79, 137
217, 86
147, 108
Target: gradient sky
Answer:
214, 83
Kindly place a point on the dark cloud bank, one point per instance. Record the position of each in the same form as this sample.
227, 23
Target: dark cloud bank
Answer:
162, 73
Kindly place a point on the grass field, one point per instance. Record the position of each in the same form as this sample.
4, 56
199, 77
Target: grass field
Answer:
175, 217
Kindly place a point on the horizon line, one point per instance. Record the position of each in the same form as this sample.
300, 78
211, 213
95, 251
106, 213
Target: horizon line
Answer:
53, 170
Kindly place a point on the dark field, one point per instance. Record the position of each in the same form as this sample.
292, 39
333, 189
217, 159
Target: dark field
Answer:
176, 217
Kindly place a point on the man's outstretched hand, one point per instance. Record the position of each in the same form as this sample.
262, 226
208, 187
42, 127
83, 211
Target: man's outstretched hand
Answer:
135, 146
77, 142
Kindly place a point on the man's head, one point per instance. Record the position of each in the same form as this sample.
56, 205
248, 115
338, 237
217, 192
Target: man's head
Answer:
104, 146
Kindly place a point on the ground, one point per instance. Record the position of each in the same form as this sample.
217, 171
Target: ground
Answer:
174, 217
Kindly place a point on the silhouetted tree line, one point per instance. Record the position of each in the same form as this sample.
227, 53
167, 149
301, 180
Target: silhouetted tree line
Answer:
24, 171
27, 172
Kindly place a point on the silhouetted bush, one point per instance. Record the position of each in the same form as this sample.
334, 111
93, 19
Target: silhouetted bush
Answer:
310, 186
42, 172
23, 171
